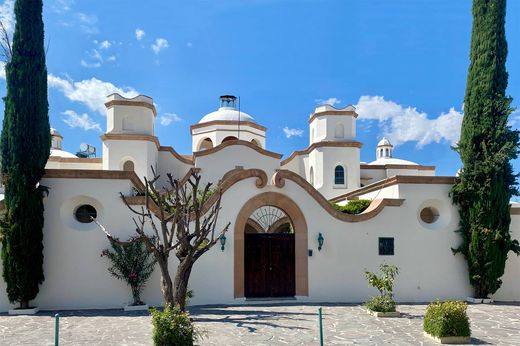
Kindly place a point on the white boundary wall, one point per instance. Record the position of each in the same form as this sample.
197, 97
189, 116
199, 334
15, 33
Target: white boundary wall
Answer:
77, 277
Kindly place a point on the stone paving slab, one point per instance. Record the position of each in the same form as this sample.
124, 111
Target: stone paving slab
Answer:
294, 324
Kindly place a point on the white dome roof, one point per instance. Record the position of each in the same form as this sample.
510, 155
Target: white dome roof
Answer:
61, 153
226, 114
392, 161
384, 141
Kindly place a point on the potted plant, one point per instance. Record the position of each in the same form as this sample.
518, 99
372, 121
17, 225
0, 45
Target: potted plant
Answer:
383, 305
447, 322
133, 264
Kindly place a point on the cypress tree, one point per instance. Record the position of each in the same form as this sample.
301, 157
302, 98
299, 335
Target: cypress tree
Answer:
487, 145
25, 147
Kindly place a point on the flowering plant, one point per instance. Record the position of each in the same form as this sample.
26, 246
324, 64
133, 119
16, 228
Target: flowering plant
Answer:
131, 263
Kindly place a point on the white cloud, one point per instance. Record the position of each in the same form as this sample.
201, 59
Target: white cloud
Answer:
139, 34
514, 118
289, 133
168, 118
88, 23
111, 58
330, 101
82, 121
160, 44
90, 65
7, 16
189, 44
104, 44
62, 6
89, 92
402, 124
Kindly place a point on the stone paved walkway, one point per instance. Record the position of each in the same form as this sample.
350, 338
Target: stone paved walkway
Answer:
260, 325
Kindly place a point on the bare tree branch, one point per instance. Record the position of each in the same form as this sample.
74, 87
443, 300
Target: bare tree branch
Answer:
5, 44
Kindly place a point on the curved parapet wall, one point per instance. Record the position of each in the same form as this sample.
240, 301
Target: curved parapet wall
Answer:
374, 209
234, 176
237, 142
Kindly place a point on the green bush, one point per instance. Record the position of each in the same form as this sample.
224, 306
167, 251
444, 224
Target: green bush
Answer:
447, 319
384, 303
172, 327
353, 207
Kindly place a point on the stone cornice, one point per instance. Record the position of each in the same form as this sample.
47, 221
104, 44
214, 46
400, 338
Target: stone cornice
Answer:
228, 122
149, 138
394, 166
332, 113
346, 144
94, 174
397, 179
75, 159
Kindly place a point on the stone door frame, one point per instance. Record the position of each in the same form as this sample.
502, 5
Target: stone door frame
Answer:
300, 239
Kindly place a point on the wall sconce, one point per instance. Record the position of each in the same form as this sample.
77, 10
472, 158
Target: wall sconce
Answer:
222, 241
320, 241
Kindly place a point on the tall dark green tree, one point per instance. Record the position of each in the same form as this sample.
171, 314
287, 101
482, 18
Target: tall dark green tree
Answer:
25, 147
486, 147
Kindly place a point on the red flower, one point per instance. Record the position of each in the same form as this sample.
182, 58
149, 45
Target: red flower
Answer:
132, 276
104, 253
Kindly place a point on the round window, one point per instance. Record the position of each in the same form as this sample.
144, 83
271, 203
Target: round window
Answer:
85, 213
429, 215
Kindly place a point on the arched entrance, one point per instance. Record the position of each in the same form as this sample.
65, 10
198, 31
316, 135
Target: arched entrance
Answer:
270, 248
269, 254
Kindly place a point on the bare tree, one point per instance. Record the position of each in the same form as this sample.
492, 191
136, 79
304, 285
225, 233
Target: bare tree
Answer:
180, 218
5, 44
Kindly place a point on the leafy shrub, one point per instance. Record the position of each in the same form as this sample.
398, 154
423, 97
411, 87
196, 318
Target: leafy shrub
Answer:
384, 283
353, 207
172, 327
384, 303
131, 263
447, 319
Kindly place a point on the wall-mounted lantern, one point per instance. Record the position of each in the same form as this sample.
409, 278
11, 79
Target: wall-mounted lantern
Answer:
320, 241
222, 241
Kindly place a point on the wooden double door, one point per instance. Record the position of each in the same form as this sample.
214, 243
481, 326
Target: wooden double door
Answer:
269, 265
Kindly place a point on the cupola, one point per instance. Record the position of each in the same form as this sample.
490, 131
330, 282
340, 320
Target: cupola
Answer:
225, 124
56, 139
384, 149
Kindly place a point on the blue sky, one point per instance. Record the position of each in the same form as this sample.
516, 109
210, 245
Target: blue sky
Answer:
403, 63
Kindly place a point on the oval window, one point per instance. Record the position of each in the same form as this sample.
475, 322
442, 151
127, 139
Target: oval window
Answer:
85, 213
429, 215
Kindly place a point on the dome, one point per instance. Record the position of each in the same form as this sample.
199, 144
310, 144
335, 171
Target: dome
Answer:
227, 114
383, 142
62, 153
392, 161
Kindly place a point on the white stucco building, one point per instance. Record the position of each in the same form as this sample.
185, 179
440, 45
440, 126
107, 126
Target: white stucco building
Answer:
277, 209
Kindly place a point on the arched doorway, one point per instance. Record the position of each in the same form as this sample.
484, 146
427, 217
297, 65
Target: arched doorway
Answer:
269, 254
270, 248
